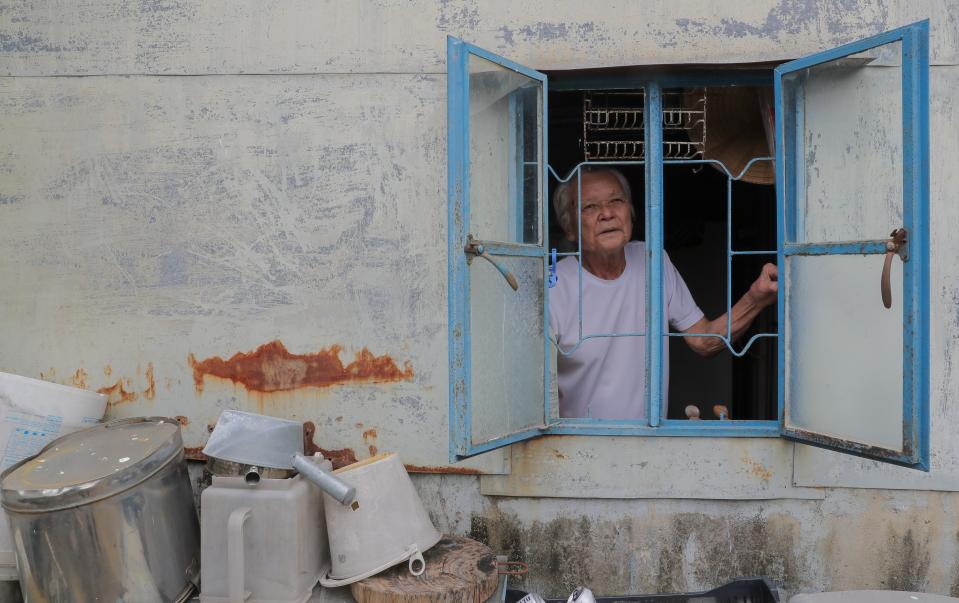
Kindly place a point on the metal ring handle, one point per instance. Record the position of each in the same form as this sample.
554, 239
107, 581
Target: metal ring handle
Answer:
416, 564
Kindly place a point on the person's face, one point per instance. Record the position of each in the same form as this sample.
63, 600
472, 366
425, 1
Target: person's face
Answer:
607, 219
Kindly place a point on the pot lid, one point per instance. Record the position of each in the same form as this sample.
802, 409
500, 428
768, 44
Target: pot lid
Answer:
91, 464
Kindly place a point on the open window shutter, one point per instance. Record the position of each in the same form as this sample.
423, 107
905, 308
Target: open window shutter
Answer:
852, 170
497, 251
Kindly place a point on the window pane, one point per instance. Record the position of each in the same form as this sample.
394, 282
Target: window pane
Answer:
845, 350
505, 152
507, 348
849, 150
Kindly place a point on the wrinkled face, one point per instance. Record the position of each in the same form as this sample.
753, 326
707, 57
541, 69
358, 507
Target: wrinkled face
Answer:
607, 217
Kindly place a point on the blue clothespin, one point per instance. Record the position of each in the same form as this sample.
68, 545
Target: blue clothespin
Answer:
553, 277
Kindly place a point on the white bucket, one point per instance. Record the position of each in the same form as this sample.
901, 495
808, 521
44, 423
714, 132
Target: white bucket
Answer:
386, 525
33, 413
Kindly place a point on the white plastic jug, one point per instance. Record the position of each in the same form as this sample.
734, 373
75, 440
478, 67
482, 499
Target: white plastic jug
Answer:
263, 541
33, 413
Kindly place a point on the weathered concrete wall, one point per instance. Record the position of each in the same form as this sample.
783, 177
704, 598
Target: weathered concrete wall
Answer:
851, 539
155, 224
63, 37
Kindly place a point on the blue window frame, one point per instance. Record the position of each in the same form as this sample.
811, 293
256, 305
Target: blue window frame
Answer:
800, 90
866, 391
497, 251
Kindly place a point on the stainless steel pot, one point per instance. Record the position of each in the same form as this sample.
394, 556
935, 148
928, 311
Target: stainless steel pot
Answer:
105, 514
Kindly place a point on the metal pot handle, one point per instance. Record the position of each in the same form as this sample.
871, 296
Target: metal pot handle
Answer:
235, 556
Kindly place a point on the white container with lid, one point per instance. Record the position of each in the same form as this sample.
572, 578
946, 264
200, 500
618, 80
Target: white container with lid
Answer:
105, 514
263, 541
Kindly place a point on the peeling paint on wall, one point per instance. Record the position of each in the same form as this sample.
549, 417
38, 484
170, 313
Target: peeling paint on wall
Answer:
271, 368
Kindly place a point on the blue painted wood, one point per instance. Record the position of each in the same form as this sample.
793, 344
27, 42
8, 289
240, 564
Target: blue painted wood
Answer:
458, 271
915, 127
504, 62
916, 213
671, 427
461, 400
845, 50
784, 130
544, 208
839, 248
515, 172
652, 117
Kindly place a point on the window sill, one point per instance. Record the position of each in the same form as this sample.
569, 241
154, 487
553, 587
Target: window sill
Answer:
566, 466
725, 429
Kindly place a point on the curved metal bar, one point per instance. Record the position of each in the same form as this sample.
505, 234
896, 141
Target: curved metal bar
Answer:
729, 345
750, 164
583, 338
719, 163
700, 162
665, 162
587, 163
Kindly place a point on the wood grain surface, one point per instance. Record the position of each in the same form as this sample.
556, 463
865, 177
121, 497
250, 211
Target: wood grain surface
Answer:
458, 570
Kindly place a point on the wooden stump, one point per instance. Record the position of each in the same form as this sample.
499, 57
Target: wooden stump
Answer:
458, 570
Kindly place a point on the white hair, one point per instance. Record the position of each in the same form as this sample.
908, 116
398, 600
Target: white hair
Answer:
565, 194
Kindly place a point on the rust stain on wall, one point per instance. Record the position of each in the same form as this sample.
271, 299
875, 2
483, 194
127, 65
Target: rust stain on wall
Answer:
757, 469
340, 458
271, 368
369, 437
80, 379
184, 421
119, 392
150, 392
107, 370
451, 470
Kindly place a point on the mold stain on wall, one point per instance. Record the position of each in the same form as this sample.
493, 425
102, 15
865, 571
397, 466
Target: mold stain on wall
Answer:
272, 368
671, 553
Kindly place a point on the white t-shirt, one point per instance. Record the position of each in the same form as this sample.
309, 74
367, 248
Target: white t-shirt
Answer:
606, 377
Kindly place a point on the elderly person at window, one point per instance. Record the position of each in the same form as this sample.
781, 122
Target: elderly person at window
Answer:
605, 377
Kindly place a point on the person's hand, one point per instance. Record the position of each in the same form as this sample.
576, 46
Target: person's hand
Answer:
764, 289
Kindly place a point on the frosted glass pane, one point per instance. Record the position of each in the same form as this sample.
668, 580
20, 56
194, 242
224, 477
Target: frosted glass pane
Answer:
849, 157
505, 153
844, 350
507, 351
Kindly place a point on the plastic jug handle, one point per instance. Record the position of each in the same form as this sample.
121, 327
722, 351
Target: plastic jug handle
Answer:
235, 555
417, 564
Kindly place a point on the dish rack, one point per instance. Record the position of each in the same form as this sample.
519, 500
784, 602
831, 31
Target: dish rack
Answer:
613, 127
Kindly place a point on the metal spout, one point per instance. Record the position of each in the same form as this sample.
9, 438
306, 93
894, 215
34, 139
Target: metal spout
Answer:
324, 480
